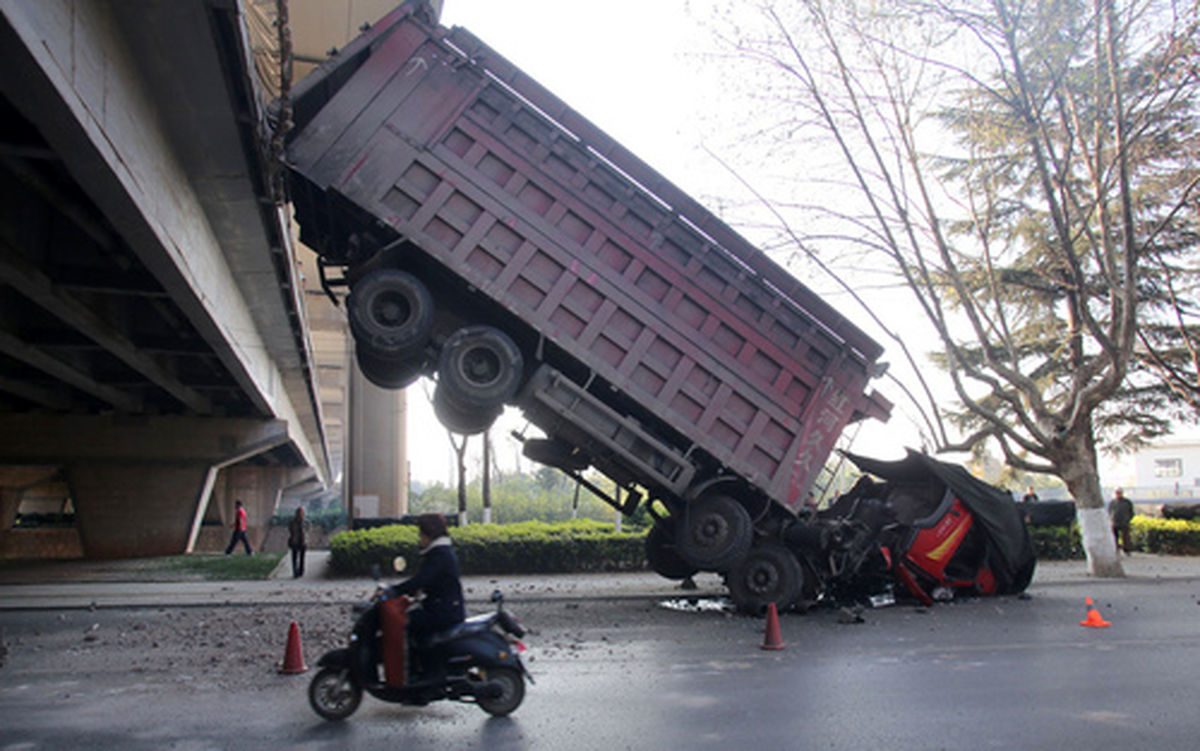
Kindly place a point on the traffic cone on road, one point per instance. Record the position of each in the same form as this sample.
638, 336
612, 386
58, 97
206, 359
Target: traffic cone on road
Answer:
1093, 619
293, 658
772, 639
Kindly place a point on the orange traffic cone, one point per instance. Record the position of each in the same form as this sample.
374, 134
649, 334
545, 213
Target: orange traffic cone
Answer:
293, 658
1093, 619
772, 639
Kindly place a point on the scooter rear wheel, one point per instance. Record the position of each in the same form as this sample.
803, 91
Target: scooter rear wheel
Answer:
333, 694
512, 690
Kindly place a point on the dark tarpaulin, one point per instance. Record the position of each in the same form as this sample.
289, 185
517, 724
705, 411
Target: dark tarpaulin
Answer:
1010, 550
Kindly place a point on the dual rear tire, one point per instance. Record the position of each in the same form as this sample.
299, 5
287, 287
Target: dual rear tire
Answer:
391, 315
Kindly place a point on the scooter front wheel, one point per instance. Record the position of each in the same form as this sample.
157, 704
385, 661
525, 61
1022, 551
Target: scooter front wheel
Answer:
508, 690
333, 694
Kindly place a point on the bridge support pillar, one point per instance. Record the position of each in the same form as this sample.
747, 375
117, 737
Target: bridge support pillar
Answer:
141, 485
128, 509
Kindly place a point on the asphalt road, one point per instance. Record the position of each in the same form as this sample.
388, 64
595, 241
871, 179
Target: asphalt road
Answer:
615, 668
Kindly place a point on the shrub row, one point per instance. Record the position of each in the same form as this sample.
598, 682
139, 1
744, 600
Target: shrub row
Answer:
588, 545
327, 519
1166, 536
523, 548
1149, 535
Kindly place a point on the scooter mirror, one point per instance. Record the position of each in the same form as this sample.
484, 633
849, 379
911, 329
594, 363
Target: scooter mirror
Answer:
399, 564
497, 596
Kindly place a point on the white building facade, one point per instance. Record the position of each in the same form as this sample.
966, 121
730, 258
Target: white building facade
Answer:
1167, 471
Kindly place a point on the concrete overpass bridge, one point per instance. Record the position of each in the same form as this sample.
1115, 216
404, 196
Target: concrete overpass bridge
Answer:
155, 357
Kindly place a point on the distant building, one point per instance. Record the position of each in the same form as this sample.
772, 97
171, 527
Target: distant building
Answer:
1169, 470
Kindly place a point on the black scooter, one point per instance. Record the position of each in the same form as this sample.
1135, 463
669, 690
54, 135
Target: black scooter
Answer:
475, 661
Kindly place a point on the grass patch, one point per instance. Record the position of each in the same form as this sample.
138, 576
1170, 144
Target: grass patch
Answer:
219, 567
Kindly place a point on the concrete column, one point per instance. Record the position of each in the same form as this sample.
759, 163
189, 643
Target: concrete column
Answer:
134, 508
10, 500
13, 481
141, 485
378, 454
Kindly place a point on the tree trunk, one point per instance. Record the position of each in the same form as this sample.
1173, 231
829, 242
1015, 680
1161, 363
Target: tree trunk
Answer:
1076, 464
460, 455
486, 486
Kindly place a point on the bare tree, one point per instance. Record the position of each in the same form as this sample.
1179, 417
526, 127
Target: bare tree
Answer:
460, 457
999, 155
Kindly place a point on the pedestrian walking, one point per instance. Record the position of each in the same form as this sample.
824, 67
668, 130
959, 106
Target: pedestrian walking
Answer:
239, 530
1030, 496
298, 541
1120, 512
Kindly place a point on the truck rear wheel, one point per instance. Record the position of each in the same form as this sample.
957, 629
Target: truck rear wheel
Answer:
480, 368
462, 420
769, 573
388, 374
390, 313
714, 532
662, 556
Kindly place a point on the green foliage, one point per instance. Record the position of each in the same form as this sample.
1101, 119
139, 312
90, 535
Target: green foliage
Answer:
1055, 260
218, 567
1149, 535
1166, 536
526, 547
545, 495
1057, 543
327, 519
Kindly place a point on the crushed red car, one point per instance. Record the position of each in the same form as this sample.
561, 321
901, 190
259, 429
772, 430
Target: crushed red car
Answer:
916, 528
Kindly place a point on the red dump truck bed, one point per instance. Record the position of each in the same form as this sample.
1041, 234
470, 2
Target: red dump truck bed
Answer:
432, 133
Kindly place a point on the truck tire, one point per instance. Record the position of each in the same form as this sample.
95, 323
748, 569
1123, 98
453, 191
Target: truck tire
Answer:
390, 313
769, 573
480, 367
459, 420
388, 374
662, 556
714, 532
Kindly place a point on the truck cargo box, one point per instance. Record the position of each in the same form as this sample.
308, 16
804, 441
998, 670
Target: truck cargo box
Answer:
708, 349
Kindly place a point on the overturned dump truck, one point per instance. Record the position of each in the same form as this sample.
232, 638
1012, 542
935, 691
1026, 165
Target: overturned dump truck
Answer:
495, 240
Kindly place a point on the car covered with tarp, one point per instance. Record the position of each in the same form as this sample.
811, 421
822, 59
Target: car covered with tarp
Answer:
917, 528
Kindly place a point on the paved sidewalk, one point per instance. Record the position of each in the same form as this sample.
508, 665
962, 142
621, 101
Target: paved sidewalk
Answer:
84, 584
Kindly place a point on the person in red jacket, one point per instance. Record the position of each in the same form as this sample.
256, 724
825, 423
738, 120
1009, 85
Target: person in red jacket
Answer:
239, 530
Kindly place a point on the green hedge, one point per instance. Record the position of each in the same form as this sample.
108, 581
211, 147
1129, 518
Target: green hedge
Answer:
523, 548
1057, 543
1166, 536
588, 545
1149, 535
327, 519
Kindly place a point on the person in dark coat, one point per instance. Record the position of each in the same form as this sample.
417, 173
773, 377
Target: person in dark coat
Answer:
438, 579
298, 528
1120, 512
